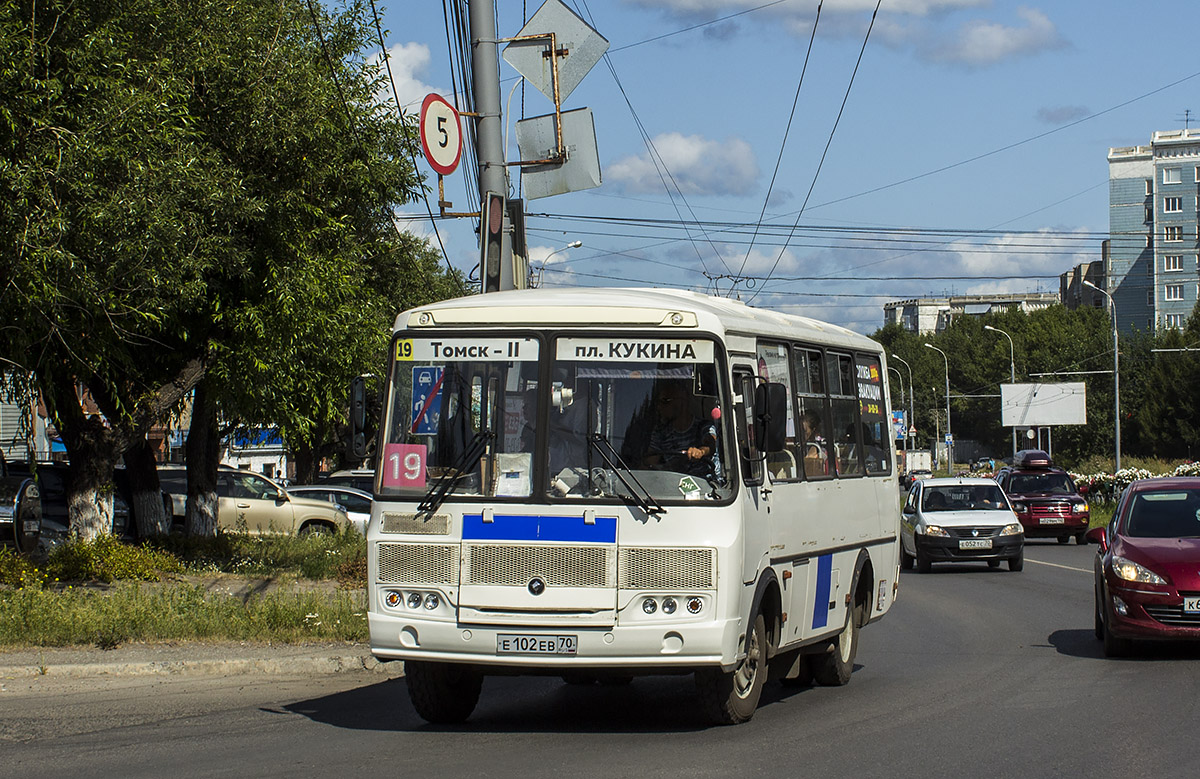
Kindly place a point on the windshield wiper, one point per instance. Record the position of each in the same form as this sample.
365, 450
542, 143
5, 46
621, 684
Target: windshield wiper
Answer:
441, 488
613, 460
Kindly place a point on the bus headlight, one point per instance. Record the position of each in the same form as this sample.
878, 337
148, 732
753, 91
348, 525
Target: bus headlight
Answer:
414, 600
392, 599
669, 605
432, 601
695, 605
649, 606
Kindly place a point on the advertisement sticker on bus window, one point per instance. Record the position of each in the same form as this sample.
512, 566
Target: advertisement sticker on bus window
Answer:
466, 349
635, 349
426, 397
404, 465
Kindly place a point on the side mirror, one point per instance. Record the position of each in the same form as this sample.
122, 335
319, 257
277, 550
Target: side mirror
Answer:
1098, 535
770, 423
910, 509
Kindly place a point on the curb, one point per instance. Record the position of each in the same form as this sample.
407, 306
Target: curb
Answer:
287, 665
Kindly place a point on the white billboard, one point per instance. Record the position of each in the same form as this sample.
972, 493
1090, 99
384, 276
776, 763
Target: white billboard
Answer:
1037, 405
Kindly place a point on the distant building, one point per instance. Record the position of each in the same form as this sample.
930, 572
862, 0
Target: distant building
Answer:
1153, 215
1074, 293
933, 315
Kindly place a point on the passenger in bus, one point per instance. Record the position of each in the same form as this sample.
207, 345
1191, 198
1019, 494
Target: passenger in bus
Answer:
815, 457
682, 440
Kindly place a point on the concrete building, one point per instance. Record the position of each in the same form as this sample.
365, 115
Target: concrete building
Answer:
1071, 289
1154, 212
933, 315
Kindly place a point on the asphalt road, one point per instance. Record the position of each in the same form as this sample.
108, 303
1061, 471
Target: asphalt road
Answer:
975, 672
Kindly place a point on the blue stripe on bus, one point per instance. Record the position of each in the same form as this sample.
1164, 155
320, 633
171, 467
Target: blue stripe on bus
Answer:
522, 527
821, 601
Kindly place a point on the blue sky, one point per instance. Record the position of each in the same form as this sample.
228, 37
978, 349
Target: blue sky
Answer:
972, 143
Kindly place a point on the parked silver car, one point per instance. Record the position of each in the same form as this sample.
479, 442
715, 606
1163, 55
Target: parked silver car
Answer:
251, 503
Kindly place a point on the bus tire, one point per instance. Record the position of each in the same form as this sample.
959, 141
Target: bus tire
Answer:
442, 693
833, 668
731, 698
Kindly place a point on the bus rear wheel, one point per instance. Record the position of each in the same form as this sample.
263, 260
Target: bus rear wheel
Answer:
442, 693
731, 698
833, 668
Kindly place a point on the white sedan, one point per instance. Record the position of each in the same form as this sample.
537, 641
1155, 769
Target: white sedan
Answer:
957, 520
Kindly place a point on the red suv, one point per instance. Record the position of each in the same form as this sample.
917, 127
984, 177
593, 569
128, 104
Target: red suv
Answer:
1044, 498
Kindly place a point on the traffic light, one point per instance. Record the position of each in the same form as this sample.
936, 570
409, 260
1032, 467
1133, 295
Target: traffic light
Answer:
491, 241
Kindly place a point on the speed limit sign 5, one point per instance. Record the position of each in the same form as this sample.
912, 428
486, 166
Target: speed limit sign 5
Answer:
441, 134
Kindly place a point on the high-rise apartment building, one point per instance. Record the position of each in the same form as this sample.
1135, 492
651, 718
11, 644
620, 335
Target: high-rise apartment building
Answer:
1151, 261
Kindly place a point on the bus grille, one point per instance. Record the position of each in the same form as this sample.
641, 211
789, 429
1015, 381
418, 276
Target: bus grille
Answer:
416, 524
658, 569
557, 566
430, 564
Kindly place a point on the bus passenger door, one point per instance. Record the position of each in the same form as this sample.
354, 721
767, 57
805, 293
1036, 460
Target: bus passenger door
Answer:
757, 503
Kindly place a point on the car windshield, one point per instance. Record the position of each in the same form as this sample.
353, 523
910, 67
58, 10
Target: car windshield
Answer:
1049, 483
1174, 514
963, 497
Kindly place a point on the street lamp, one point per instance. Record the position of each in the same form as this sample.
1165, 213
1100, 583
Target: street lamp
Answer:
949, 434
1116, 377
912, 390
1012, 373
542, 266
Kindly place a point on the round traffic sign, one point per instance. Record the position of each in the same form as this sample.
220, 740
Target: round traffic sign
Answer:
441, 134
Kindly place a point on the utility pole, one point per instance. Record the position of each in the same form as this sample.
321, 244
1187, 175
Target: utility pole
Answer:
496, 263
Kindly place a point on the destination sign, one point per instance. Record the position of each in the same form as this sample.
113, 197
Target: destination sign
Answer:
467, 349
635, 349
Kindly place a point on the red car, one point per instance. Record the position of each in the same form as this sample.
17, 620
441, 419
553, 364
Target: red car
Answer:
1148, 565
1044, 497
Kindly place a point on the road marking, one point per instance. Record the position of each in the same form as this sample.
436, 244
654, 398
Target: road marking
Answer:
1056, 565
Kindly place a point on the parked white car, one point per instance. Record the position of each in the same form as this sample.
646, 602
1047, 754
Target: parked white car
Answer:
958, 520
355, 502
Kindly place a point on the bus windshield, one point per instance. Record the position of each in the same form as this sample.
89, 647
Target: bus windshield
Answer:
620, 420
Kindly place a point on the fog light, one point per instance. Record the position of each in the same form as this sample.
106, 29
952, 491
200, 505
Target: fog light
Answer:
649, 606
1120, 607
432, 601
414, 600
694, 605
669, 605
392, 599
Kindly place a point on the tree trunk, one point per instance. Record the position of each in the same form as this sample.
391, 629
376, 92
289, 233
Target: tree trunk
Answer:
93, 451
203, 454
304, 460
146, 500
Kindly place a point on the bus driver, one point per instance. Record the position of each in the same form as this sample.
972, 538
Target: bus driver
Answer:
682, 440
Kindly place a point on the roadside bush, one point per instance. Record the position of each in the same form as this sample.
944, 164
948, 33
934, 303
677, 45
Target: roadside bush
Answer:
18, 571
107, 559
315, 556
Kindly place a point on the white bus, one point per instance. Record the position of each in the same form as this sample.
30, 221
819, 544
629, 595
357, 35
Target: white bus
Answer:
603, 483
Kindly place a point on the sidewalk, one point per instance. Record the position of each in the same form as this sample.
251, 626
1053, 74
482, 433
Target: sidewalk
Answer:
194, 658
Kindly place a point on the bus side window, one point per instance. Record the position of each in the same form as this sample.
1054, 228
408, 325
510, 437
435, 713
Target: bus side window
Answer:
844, 405
774, 366
813, 431
752, 467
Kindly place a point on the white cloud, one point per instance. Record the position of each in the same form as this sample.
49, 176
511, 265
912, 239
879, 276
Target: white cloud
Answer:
1062, 114
698, 165
409, 62
1021, 254
980, 43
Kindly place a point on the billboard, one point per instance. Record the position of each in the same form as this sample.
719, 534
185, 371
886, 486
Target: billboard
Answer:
1037, 405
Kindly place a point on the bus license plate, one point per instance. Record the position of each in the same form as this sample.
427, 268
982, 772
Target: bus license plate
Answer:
522, 644
1191, 605
975, 543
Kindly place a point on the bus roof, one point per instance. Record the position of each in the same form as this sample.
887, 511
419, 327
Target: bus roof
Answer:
625, 307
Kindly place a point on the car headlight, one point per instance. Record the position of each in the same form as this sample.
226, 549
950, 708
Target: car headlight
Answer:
934, 530
1080, 508
1019, 508
1012, 529
1132, 572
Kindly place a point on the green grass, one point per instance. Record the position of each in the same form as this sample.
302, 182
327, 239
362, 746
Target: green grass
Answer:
31, 616
70, 597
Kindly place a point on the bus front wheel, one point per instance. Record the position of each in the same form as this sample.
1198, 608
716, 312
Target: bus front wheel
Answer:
442, 693
833, 668
731, 698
